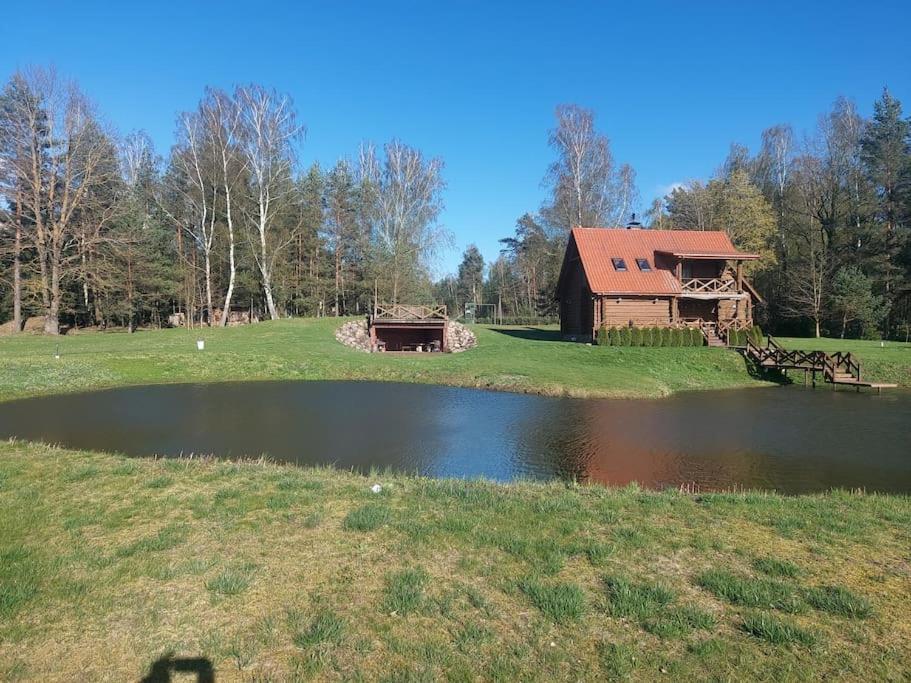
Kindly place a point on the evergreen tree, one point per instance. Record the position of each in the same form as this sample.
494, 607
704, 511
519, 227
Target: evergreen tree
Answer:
471, 276
886, 154
855, 304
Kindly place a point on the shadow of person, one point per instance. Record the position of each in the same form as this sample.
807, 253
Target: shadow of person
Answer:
162, 668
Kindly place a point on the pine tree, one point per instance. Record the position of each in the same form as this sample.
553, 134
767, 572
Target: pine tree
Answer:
886, 154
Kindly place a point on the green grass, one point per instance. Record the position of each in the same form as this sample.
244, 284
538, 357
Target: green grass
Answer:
636, 601
405, 591
560, 602
230, 581
773, 566
839, 600
509, 358
777, 631
366, 518
326, 627
751, 592
463, 580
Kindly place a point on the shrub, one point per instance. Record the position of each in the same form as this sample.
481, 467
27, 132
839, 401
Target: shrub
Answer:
678, 337
603, 339
635, 337
648, 336
696, 338
614, 337
756, 334
683, 336
625, 337
659, 336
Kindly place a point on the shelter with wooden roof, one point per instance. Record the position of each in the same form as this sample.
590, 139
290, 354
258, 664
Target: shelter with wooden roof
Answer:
618, 277
399, 327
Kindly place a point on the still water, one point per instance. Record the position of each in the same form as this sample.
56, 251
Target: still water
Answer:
785, 438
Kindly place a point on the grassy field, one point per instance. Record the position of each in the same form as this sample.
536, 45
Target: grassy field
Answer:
513, 358
111, 566
268, 572
517, 359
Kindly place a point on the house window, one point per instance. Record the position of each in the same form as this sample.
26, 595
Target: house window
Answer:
619, 265
643, 265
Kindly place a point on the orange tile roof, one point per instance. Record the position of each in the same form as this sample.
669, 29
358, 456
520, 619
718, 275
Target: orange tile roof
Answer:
597, 246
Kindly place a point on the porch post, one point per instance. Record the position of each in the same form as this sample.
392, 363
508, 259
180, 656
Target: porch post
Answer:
739, 276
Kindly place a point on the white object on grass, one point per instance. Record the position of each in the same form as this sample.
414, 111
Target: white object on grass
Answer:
200, 345
376, 488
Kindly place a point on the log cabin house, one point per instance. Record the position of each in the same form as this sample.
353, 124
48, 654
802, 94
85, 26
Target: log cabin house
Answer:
616, 277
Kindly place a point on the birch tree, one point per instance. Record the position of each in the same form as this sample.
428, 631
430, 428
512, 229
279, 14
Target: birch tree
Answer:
268, 140
585, 186
224, 128
194, 183
403, 195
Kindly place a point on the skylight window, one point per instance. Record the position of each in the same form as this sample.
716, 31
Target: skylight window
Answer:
619, 265
643, 265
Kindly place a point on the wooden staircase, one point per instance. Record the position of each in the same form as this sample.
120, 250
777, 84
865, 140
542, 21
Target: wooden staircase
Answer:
837, 368
710, 334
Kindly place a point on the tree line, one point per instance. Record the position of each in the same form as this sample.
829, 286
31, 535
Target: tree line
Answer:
829, 212
97, 230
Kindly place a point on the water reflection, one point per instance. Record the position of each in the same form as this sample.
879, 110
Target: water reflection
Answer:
789, 439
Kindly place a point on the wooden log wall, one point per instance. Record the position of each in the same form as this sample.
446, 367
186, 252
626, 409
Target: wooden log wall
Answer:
643, 311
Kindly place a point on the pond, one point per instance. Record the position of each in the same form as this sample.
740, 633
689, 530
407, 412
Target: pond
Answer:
784, 438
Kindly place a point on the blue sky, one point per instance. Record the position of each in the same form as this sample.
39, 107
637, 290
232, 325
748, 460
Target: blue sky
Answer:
476, 83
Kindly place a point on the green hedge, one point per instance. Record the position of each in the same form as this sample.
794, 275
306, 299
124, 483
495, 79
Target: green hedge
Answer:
650, 336
740, 337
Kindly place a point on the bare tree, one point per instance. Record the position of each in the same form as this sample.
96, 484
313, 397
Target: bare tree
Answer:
586, 189
808, 282
56, 154
269, 136
773, 166
625, 196
404, 198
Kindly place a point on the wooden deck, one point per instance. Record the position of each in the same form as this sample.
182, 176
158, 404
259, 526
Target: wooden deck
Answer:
838, 369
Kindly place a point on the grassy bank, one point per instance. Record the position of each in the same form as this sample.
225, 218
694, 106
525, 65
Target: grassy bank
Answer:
518, 359
275, 573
